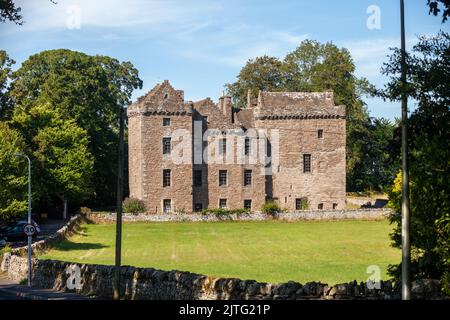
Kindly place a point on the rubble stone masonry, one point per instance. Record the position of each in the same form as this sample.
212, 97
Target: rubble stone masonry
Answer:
298, 126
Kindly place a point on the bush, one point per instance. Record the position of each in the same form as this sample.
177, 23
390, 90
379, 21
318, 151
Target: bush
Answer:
132, 205
5, 249
271, 208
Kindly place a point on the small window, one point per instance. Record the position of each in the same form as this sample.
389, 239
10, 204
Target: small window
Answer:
248, 204
167, 205
320, 133
166, 145
166, 178
247, 177
301, 203
335, 206
222, 177
223, 203
198, 207
306, 163
166, 95
166, 122
247, 146
223, 146
198, 178
320, 206
268, 148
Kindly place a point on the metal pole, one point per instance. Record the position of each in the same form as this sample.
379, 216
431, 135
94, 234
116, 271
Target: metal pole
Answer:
406, 245
29, 221
119, 209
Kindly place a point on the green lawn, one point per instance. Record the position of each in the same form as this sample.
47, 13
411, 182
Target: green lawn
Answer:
331, 252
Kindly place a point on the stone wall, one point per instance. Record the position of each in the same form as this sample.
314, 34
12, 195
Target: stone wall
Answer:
152, 284
40, 246
356, 214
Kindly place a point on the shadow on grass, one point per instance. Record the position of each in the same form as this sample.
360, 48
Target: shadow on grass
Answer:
69, 246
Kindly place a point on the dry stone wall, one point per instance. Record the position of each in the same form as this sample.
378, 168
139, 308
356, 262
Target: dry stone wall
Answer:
358, 214
153, 284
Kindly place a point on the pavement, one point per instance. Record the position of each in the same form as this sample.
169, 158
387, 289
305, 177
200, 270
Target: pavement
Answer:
10, 290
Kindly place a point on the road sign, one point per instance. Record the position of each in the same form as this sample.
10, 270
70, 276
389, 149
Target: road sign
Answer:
29, 229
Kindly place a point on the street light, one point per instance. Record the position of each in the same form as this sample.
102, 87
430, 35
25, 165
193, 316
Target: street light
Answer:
29, 213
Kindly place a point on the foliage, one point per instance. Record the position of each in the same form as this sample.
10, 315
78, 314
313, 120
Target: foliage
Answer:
61, 161
5, 73
314, 66
89, 90
221, 212
271, 208
434, 8
9, 11
133, 205
428, 74
13, 174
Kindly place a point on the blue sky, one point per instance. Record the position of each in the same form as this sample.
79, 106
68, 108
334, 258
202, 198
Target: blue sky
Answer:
201, 45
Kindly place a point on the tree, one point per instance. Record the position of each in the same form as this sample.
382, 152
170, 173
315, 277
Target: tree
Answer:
428, 71
13, 175
434, 6
314, 67
88, 89
62, 164
262, 73
5, 75
9, 11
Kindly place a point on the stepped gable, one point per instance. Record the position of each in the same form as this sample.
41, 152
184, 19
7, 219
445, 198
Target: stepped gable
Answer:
297, 105
162, 99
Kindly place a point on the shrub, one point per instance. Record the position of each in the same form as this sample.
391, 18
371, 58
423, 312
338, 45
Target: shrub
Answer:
5, 249
271, 208
132, 205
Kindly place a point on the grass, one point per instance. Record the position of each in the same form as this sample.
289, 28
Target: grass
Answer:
331, 252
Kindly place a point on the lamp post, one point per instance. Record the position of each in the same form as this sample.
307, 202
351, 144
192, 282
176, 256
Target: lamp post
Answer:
29, 213
406, 244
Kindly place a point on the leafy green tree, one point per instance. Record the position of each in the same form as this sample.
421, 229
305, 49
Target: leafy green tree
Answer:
61, 162
262, 73
428, 73
314, 67
5, 74
434, 6
9, 12
88, 89
13, 174
377, 169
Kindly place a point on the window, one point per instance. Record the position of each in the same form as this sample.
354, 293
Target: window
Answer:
320, 134
222, 177
268, 148
205, 118
247, 177
166, 145
306, 163
335, 206
223, 146
198, 178
166, 122
248, 204
167, 205
198, 207
247, 146
166, 178
223, 203
301, 203
320, 206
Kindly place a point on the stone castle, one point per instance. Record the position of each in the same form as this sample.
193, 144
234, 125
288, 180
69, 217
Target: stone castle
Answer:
186, 156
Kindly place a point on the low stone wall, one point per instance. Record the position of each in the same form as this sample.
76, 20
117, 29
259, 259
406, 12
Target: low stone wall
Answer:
43, 245
356, 214
152, 284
